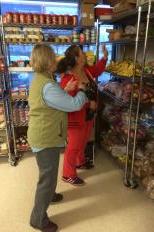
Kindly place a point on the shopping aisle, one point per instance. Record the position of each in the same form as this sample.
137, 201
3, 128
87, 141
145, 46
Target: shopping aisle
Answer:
103, 205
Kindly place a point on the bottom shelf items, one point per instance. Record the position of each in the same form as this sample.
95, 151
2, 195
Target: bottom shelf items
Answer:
22, 144
114, 134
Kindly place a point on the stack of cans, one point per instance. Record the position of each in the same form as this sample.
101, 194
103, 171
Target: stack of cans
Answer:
93, 36
87, 35
75, 37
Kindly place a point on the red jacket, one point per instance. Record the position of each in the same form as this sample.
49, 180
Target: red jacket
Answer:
77, 118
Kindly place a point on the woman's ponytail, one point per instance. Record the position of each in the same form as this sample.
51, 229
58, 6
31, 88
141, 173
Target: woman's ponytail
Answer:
69, 61
62, 66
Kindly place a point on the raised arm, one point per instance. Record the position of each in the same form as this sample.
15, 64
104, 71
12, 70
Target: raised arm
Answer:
98, 68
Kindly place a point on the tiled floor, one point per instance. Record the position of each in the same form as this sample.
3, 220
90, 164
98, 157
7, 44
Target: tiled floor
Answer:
103, 205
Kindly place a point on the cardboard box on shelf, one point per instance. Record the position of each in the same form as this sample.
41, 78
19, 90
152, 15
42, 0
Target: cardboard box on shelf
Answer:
123, 6
90, 1
103, 13
87, 14
114, 2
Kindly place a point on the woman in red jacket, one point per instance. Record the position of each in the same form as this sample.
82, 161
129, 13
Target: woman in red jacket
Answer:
80, 123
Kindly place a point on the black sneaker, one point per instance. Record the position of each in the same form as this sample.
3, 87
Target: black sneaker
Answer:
76, 181
57, 197
86, 165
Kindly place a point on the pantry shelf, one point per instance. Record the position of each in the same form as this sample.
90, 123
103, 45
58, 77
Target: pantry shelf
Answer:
20, 69
3, 154
15, 98
21, 125
137, 78
52, 43
126, 41
58, 27
113, 97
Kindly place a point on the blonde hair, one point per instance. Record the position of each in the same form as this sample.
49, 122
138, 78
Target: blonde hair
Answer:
42, 58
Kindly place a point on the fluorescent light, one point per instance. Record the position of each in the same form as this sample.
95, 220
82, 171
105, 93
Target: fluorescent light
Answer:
40, 3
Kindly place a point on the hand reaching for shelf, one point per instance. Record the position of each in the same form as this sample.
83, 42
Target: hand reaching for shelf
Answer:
105, 51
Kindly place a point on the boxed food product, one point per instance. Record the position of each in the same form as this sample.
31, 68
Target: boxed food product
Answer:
87, 14
103, 13
123, 6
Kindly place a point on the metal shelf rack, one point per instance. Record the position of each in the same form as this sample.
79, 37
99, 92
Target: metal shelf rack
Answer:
146, 11
16, 128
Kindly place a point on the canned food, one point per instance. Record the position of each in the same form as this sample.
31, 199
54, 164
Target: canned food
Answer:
22, 18
16, 18
75, 37
66, 19
54, 19
42, 19
29, 18
36, 19
74, 20
60, 20
48, 19
4, 19
9, 17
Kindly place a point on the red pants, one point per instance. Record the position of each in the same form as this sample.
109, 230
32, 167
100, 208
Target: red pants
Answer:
74, 153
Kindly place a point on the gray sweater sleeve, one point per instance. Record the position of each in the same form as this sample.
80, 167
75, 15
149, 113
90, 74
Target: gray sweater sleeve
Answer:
54, 96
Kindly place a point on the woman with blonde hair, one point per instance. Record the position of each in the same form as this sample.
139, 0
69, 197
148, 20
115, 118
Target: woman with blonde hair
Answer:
47, 130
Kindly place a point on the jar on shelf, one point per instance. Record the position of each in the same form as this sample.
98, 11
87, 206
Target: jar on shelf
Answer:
48, 19
23, 18
42, 19
75, 37
29, 18
60, 20
74, 20
54, 20
16, 18
87, 35
4, 19
36, 19
8, 17
93, 36
66, 20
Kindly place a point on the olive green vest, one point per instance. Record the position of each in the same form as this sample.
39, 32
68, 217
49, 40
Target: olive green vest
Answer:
47, 126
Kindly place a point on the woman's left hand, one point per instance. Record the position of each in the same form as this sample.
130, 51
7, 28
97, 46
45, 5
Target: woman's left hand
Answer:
71, 85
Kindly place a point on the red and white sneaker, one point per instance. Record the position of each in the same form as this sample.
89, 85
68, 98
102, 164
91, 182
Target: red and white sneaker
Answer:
76, 181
